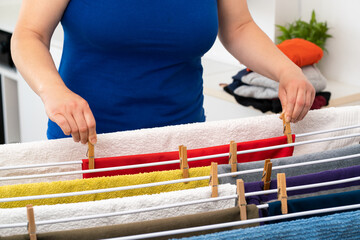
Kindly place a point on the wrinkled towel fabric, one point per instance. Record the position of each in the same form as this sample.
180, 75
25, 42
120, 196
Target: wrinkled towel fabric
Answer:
166, 156
326, 176
311, 72
334, 226
316, 202
78, 185
59, 211
295, 171
166, 139
186, 221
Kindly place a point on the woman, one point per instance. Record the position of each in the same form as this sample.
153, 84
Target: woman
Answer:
131, 64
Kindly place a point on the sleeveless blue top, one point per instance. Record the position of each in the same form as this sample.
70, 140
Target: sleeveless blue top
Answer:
137, 62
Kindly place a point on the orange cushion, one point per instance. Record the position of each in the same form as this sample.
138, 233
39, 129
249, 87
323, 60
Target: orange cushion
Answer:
301, 51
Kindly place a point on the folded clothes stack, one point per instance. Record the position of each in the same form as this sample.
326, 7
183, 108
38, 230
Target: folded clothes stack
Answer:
252, 89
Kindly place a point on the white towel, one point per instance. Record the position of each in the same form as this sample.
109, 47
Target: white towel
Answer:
49, 212
197, 135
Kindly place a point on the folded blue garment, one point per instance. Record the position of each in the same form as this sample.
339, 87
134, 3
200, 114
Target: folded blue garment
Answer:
336, 226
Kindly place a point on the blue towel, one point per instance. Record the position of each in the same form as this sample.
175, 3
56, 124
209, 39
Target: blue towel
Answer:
336, 226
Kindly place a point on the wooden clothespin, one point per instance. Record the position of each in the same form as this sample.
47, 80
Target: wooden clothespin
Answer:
233, 156
184, 166
91, 156
266, 177
214, 181
31, 222
241, 198
282, 195
287, 129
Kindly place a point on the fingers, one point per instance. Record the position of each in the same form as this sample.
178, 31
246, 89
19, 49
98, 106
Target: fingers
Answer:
61, 121
83, 129
298, 104
296, 94
78, 121
80, 132
290, 105
71, 113
68, 125
283, 101
90, 121
309, 98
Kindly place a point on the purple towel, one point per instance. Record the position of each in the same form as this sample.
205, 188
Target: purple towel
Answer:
326, 176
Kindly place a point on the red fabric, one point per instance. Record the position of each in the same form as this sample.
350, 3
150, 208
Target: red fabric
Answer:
302, 52
319, 102
166, 156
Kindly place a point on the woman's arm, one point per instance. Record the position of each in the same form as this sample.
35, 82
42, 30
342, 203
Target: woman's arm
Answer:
30, 45
251, 46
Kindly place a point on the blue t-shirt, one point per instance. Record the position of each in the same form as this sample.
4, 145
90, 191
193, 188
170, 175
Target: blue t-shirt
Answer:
137, 62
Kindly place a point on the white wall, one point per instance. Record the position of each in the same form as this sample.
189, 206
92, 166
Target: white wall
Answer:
341, 63
33, 119
286, 11
263, 13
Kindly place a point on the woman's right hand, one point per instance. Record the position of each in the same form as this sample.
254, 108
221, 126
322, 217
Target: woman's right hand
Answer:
71, 112
30, 44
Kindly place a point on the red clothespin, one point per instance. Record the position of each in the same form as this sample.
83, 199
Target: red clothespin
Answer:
287, 129
241, 198
282, 195
91, 155
184, 166
214, 181
266, 177
31, 222
233, 156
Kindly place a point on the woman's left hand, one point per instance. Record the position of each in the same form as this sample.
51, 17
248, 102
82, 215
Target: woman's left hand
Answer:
296, 94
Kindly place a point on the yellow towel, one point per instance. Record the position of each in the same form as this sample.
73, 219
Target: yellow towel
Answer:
78, 185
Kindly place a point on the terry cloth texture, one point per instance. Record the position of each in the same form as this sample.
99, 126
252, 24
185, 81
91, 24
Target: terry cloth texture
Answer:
326, 176
79, 185
166, 139
60, 211
186, 221
274, 104
295, 171
316, 202
158, 157
335, 226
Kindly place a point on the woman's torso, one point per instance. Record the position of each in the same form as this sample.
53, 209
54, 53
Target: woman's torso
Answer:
137, 62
